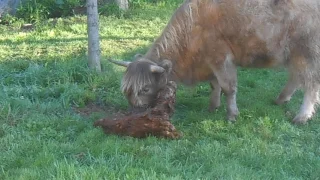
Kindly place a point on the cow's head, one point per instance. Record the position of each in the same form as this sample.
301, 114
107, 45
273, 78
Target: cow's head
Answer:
143, 80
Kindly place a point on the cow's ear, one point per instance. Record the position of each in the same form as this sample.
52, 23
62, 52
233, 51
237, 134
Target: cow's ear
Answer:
167, 65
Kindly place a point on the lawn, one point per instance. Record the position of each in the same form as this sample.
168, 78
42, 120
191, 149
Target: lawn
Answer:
49, 100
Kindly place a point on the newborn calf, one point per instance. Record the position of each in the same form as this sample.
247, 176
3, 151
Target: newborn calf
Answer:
153, 121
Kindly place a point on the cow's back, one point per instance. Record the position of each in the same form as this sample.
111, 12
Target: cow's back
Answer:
257, 33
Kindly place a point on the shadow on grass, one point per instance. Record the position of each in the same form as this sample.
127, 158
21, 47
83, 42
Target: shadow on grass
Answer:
57, 40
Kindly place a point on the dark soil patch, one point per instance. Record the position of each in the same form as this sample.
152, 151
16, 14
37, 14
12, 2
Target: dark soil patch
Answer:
92, 108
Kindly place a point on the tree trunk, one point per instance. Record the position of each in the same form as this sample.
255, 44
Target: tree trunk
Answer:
123, 4
9, 6
93, 35
3, 6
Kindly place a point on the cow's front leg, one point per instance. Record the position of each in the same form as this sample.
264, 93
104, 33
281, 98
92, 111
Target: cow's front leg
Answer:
215, 94
227, 78
310, 99
292, 85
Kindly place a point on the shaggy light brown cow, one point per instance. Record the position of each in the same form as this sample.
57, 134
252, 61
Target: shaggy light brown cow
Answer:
206, 40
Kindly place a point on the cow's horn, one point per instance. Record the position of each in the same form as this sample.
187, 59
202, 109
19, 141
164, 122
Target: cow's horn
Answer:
120, 63
156, 69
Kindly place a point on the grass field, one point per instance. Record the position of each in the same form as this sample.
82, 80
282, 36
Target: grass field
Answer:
45, 82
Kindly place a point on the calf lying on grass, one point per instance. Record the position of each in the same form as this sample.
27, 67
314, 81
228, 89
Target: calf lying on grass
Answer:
153, 121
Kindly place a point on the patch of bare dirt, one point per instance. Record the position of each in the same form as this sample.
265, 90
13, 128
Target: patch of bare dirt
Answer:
91, 108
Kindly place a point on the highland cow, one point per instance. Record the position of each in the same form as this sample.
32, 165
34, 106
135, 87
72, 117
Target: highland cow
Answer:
206, 40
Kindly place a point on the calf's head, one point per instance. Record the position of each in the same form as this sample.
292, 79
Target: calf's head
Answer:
143, 80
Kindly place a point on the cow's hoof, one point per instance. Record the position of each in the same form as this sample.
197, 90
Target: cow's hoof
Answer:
300, 120
280, 101
232, 117
213, 107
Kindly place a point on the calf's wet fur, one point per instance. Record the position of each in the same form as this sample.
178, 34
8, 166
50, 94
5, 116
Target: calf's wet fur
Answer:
153, 121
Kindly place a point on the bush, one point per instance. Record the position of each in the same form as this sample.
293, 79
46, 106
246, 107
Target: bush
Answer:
37, 10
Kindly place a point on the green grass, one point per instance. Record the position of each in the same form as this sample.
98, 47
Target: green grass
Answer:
44, 75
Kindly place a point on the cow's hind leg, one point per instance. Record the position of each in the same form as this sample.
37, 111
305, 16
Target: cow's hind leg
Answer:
289, 89
227, 78
310, 99
215, 94
307, 70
